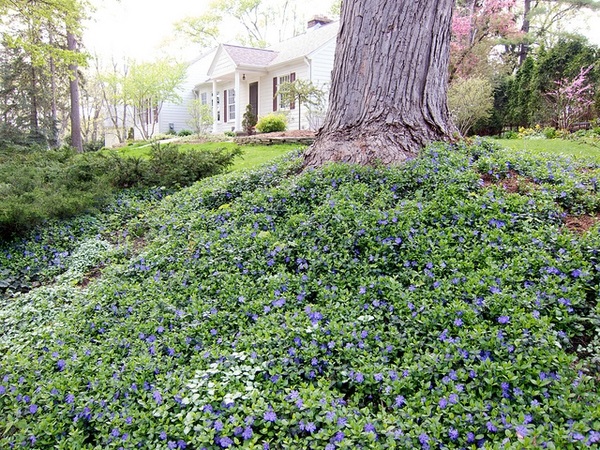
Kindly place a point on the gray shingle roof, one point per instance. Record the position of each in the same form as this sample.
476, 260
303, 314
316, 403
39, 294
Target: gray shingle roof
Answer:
249, 56
288, 50
304, 44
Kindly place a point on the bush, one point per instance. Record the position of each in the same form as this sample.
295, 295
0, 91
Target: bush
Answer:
249, 121
170, 167
271, 123
549, 132
184, 133
93, 146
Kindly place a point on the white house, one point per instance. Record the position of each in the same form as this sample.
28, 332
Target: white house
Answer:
232, 77
240, 76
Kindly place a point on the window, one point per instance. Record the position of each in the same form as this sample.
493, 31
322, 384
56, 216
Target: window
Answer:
231, 104
284, 79
204, 98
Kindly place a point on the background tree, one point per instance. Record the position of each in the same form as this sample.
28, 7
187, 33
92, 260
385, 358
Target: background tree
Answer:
389, 83
301, 92
470, 100
38, 32
147, 87
201, 117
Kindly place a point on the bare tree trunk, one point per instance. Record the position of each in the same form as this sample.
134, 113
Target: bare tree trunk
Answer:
524, 46
389, 84
54, 139
76, 141
34, 124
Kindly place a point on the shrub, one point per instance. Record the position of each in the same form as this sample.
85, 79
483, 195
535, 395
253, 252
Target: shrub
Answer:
184, 133
170, 167
549, 132
249, 121
271, 123
470, 100
93, 146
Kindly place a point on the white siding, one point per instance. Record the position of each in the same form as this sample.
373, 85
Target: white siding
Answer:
265, 93
322, 63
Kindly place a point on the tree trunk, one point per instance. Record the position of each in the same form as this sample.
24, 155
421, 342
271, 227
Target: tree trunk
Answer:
389, 83
54, 138
76, 141
524, 46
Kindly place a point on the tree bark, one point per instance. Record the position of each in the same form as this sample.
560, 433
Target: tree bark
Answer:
76, 140
389, 83
524, 46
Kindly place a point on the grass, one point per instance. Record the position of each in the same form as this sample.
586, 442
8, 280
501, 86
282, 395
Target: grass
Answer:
553, 147
254, 155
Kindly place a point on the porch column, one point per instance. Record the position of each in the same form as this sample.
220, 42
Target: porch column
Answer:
215, 108
238, 102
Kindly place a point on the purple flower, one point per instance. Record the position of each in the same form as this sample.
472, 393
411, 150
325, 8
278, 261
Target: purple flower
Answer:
69, 399
172, 445
2, 389
181, 444
270, 416
61, 364
400, 400
247, 434
218, 425
33, 408
576, 273
225, 442
521, 430
491, 427
310, 427
339, 436
163, 436
443, 403
503, 319
369, 428
157, 397
359, 377
453, 434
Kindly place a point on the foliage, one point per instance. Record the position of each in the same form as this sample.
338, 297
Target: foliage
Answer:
184, 133
409, 307
271, 122
469, 101
302, 92
201, 116
477, 29
571, 99
37, 185
41, 185
146, 87
249, 121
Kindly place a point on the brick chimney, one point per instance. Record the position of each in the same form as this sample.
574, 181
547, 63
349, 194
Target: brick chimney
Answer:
318, 21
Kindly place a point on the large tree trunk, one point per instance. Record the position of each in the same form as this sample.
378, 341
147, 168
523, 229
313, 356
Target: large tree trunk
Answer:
389, 83
76, 141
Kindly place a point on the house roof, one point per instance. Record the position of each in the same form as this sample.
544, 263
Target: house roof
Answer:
249, 55
304, 44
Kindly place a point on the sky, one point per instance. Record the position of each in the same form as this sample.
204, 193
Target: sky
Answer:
140, 28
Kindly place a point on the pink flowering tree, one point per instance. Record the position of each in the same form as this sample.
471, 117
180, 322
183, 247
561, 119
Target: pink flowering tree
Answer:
572, 99
478, 27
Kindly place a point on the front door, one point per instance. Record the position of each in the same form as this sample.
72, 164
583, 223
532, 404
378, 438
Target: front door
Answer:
253, 94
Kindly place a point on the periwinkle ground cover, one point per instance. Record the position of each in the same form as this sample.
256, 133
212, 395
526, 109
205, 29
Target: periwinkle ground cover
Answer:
415, 307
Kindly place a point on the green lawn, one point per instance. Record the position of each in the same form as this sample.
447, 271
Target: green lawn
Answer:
254, 155
553, 147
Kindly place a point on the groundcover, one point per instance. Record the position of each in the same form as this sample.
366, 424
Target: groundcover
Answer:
443, 304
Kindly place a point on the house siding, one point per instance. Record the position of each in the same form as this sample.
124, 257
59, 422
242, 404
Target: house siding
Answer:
265, 86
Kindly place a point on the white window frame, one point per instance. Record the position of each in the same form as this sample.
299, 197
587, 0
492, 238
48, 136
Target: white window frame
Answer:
230, 105
287, 78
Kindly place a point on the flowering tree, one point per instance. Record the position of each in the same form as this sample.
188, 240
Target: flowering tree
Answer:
477, 28
571, 99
